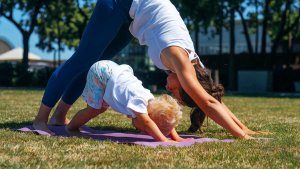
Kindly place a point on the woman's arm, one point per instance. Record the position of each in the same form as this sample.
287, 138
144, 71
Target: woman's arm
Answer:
176, 59
239, 123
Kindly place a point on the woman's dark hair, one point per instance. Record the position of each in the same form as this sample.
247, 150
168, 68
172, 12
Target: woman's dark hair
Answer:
197, 116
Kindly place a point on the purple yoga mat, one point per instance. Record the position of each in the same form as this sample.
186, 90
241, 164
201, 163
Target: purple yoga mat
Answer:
122, 137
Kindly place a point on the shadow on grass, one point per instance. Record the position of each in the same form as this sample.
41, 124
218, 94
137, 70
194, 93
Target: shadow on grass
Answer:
114, 128
15, 125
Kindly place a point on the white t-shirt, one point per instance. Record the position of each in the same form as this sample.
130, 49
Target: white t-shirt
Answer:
124, 92
158, 24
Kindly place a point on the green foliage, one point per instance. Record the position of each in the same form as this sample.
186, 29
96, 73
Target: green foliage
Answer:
22, 76
18, 75
197, 12
24, 150
62, 24
6, 74
29, 10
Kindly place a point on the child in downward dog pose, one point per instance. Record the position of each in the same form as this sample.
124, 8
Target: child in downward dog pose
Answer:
110, 84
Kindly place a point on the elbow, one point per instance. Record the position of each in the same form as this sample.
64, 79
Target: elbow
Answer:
209, 103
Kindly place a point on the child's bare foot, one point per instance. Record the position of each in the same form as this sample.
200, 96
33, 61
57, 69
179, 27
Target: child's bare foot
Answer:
58, 122
43, 127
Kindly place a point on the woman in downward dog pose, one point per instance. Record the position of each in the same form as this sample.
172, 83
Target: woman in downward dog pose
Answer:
156, 24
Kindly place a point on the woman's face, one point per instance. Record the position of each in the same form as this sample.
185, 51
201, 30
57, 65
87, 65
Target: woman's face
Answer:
173, 85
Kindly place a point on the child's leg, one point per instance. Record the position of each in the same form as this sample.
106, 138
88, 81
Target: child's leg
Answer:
105, 23
82, 117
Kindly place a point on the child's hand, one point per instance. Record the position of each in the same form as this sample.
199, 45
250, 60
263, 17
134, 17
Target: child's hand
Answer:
171, 141
185, 139
180, 139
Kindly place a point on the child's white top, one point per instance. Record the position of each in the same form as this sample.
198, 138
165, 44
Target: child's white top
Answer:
124, 92
158, 24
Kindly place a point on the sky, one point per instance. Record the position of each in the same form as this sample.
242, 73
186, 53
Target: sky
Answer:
10, 33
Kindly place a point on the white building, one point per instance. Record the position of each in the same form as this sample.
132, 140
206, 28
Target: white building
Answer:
209, 43
15, 56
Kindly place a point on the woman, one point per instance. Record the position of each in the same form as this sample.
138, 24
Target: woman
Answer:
155, 23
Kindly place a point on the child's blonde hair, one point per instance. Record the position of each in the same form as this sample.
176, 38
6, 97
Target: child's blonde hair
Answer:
165, 112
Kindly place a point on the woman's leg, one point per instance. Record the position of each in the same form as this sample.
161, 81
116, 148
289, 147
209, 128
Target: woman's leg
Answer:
105, 23
74, 90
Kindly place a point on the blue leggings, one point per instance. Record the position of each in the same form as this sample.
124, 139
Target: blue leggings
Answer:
105, 35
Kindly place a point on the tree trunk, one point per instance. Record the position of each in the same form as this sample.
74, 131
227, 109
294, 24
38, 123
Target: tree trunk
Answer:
256, 27
25, 59
197, 30
265, 27
281, 32
246, 32
232, 66
221, 30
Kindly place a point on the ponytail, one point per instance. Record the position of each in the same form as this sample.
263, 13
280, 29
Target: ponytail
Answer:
197, 116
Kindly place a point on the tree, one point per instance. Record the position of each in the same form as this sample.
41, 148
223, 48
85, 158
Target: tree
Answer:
197, 14
62, 24
265, 26
285, 16
239, 10
29, 11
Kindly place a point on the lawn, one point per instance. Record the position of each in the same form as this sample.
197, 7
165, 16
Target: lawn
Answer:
281, 116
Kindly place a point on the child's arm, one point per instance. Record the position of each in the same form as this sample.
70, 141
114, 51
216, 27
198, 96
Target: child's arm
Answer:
174, 135
82, 117
144, 123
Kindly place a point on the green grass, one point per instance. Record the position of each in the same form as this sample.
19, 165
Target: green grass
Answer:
24, 150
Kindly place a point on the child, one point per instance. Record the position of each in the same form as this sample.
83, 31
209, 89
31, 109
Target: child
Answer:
110, 84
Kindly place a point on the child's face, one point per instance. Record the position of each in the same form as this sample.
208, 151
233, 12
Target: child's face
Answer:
173, 85
165, 129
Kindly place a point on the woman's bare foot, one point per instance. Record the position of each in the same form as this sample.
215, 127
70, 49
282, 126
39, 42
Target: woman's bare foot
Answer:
43, 127
59, 116
58, 122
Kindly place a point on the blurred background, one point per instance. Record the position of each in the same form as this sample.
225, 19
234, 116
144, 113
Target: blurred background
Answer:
250, 46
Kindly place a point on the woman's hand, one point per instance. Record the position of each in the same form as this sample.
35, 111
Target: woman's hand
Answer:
251, 132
